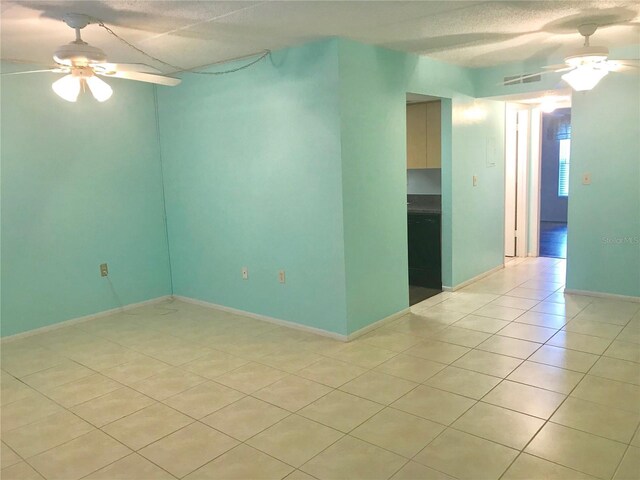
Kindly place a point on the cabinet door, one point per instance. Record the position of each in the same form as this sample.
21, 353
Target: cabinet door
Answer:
433, 135
417, 135
424, 250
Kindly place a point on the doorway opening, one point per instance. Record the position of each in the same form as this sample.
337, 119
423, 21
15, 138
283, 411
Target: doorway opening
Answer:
424, 196
517, 143
537, 147
555, 159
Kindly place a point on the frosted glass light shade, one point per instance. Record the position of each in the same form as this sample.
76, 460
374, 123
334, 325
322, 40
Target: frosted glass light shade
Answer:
584, 78
100, 89
68, 87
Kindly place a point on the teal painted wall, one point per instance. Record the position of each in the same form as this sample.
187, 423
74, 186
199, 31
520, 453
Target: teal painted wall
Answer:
373, 87
297, 164
253, 178
374, 176
603, 241
472, 217
472, 232
81, 185
603, 245
477, 212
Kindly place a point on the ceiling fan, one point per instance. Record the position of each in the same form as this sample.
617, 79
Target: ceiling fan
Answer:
83, 63
586, 66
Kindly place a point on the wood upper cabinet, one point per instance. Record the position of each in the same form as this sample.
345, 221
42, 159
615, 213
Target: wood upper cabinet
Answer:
417, 135
433, 135
423, 135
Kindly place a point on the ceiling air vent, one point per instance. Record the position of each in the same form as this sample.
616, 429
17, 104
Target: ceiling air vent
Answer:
524, 78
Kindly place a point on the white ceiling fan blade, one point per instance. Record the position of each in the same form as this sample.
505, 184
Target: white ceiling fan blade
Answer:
31, 63
621, 65
558, 66
50, 70
125, 67
144, 77
629, 63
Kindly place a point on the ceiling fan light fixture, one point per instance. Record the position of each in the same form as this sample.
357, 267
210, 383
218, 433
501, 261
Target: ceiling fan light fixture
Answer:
100, 89
67, 87
584, 78
587, 56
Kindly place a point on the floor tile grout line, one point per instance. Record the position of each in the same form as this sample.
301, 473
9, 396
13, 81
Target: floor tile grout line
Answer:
133, 452
555, 409
547, 422
198, 421
629, 446
67, 409
538, 431
384, 406
95, 427
445, 342
14, 452
637, 427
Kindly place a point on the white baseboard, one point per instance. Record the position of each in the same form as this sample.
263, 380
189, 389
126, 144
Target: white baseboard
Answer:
276, 321
472, 280
612, 296
265, 318
378, 324
296, 326
86, 318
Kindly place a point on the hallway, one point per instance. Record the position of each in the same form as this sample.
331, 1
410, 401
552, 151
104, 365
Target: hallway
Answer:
553, 239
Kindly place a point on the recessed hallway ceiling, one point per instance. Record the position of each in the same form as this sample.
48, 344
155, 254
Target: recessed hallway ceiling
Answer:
195, 33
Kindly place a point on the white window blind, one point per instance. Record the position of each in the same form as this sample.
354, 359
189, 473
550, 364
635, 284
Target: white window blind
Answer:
563, 167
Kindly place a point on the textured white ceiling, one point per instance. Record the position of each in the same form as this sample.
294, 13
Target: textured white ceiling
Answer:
195, 33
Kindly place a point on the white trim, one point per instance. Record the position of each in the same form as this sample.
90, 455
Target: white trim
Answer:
378, 324
522, 201
86, 318
296, 326
510, 159
265, 318
612, 296
472, 280
534, 182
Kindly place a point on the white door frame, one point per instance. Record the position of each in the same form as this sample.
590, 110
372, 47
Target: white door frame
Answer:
510, 153
518, 150
535, 161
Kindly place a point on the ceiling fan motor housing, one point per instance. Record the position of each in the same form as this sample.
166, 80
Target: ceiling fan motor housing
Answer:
79, 54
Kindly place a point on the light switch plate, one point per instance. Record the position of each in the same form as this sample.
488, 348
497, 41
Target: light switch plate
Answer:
586, 179
475, 181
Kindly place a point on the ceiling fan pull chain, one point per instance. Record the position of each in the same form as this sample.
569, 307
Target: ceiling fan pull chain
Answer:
101, 24
266, 53
180, 69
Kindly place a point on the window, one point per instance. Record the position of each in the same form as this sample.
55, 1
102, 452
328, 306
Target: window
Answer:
563, 168
563, 135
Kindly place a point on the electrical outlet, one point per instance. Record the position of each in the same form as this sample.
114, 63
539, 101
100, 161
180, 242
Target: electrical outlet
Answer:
281, 276
475, 181
104, 270
245, 273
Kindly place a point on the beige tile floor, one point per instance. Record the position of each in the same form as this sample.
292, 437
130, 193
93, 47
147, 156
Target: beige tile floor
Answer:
508, 378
